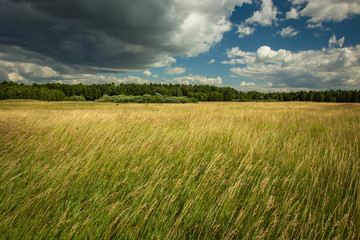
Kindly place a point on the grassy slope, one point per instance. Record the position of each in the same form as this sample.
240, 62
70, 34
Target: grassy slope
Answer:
198, 171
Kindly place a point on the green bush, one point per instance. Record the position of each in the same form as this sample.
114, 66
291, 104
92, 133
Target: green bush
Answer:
77, 98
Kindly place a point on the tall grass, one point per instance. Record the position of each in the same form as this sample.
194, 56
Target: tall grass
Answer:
170, 171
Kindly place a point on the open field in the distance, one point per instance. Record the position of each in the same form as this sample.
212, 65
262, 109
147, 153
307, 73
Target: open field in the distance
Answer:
179, 171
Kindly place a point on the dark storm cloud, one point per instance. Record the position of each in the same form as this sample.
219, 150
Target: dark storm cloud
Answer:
102, 34
66, 37
3, 75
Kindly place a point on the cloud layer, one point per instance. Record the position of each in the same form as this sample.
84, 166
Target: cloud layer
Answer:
95, 36
146, 73
331, 68
265, 16
288, 32
175, 70
197, 79
325, 10
90, 41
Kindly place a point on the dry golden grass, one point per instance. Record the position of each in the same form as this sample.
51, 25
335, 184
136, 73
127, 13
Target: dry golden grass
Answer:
194, 171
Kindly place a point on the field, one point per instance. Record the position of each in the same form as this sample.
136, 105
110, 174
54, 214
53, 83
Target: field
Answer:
179, 171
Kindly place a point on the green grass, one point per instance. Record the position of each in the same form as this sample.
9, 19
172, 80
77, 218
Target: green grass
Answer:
174, 171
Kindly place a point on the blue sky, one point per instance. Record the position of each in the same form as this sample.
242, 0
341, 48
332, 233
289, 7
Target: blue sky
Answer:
263, 45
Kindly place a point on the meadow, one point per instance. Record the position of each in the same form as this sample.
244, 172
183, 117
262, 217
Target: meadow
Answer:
285, 170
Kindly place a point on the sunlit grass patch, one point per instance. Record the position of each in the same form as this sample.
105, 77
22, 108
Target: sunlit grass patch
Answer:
197, 171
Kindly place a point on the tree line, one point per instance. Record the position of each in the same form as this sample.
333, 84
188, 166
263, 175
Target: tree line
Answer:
83, 92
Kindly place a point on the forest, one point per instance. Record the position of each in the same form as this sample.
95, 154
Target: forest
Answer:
165, 92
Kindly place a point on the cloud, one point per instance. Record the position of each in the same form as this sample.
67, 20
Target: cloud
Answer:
266, 16
98, 36
99, 79
316, 25
237, 52
211, 61
288, 32
197, 79
92, 79
247, 84
298, 2
333, 42
250, 86
292, 14
330, 10
332, 68
46, 70
239, 57
266, 55
234, 61
244, 30
175, 70
29, 73
4, 76
28, 70
146, 73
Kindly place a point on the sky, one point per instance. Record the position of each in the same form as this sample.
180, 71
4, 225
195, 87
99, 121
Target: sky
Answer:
261, 45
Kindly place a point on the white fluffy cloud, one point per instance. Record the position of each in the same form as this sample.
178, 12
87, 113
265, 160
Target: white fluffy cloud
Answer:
197, 79
327, 68
175, 70
22, 71
288, 32
239, 57
315, 25
266, 16
247, 84
330, 10
203, 24
244, 30
146, 73
292, 14
333, 42
237, 52
235, 61
297, 2
30, 73
211, 61
250, 86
